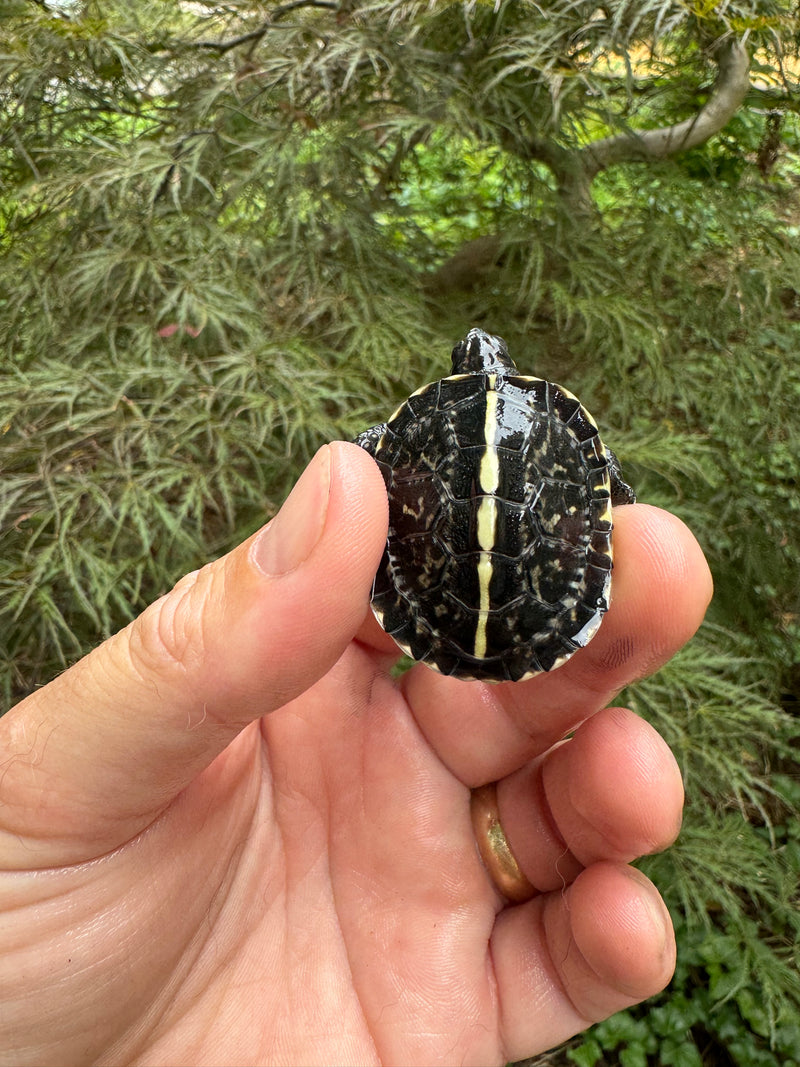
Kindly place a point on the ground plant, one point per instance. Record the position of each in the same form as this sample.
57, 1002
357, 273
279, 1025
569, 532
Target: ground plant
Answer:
232, 231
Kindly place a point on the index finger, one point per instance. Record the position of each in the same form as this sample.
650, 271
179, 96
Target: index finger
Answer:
661, 589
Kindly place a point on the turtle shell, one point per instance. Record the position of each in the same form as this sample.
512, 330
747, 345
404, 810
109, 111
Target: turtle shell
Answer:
498, 559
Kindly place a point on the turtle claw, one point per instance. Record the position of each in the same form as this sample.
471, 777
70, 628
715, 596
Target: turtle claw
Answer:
369, 439
621, 492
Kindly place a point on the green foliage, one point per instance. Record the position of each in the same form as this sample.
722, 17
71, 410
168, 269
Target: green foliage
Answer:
713, 1014
231, 232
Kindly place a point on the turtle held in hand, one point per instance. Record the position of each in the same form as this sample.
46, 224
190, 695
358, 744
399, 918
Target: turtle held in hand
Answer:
498, 560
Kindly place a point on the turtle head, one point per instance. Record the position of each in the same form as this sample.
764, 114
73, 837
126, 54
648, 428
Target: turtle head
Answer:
482, 353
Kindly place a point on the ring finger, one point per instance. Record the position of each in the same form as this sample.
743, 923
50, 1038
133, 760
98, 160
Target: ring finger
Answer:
613, 792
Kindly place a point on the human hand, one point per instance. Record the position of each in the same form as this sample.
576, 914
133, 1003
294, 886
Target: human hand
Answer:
228, 835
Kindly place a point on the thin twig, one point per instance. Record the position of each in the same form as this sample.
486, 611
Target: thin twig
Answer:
256, 35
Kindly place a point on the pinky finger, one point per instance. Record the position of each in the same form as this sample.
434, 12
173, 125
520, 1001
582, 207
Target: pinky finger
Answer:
568, 959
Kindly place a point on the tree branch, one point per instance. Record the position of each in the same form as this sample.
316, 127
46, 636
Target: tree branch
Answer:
733, 82
256, 35
574, 170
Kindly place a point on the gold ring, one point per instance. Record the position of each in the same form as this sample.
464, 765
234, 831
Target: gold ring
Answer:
495, 851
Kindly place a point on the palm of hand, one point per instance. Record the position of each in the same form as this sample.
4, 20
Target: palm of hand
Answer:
314, 894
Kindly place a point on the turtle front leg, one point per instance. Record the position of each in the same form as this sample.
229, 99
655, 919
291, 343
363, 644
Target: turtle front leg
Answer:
621, 492
368, 439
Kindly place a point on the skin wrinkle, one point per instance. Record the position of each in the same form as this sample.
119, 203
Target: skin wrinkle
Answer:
549, 818
563, 900
621, 650
369, 1029
486, 696
148, 654
182, 628
379, 680
543, 908
31, 757
367, 693
162, 1013
381, 658
278, 798
32, 837
81, 864
526, 727
282, 825
356, 985
181, 639
590, 692
408, 704
591, 679
160, 1010
162, 639
494, 989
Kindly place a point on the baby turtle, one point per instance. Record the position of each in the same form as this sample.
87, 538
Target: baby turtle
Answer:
498, 559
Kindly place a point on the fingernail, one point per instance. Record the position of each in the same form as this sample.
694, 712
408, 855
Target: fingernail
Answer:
653, 906
291, 536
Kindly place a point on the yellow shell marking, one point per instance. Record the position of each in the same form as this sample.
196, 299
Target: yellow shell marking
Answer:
489, 480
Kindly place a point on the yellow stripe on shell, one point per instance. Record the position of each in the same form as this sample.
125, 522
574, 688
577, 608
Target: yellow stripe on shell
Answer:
488, 480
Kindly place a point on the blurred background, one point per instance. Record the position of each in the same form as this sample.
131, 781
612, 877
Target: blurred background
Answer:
232, 231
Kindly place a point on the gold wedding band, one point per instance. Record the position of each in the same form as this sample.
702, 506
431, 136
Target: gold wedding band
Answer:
495, 851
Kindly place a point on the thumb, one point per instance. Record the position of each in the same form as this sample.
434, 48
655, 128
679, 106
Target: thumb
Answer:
92, 757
